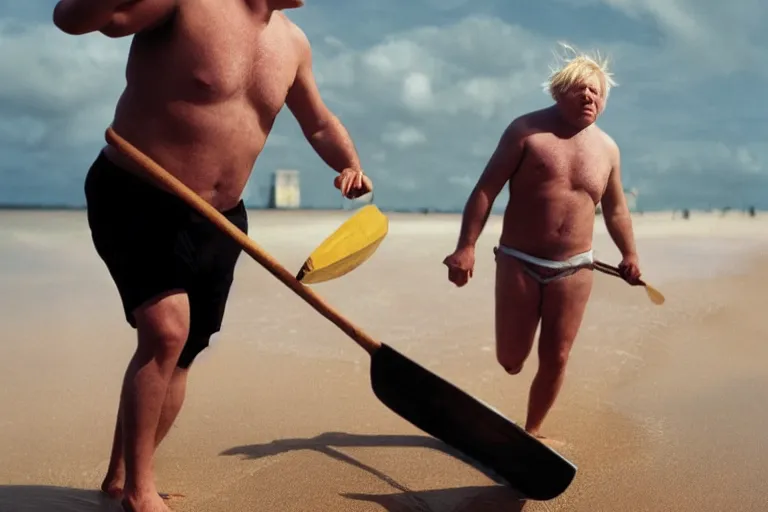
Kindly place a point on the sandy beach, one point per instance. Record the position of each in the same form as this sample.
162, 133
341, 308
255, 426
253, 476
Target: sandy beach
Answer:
663, 408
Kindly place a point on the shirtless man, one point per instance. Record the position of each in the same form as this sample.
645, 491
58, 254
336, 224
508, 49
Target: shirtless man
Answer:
205, 81
559, 166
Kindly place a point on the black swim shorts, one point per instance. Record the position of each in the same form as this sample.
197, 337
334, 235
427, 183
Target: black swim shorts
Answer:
153, 242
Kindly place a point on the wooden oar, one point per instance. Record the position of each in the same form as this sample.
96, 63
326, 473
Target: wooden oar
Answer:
655, 295
427, 401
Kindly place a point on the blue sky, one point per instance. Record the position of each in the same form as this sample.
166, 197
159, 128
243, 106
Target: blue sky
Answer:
425, 87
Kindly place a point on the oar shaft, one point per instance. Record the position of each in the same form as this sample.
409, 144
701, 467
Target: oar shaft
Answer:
157, 173
611, 270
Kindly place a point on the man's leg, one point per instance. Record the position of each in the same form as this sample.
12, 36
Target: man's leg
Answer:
163, 327
177, 388
114, 481
146, 251
517, 310
563, 305
174, 400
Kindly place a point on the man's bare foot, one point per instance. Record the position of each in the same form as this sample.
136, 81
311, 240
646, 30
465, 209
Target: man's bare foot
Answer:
555, 444
149, 503
112, 486
114, 489
552, 443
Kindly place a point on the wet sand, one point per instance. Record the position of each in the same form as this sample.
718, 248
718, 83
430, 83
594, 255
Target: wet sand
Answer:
663, 407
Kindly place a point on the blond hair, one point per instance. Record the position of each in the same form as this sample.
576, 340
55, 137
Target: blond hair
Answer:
579, 67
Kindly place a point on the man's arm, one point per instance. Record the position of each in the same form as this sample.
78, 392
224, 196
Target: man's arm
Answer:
615, 210
498, 171
320, 126
113, 18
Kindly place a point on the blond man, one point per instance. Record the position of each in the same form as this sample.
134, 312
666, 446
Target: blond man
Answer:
559, 166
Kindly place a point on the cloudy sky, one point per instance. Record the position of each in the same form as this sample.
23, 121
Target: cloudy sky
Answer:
426, 87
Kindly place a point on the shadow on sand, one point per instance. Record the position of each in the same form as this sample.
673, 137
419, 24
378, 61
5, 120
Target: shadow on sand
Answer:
43, 498
459, 499
495, 497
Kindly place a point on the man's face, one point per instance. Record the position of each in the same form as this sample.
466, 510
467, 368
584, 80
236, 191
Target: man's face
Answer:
583, 102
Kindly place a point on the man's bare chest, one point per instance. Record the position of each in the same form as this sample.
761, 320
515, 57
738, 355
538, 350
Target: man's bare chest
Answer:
574, 164
221, 60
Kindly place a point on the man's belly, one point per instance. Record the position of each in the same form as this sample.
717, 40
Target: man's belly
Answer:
549, 231
210, 149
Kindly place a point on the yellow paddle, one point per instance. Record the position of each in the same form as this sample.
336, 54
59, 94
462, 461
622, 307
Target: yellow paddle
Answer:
655, 295
351, 245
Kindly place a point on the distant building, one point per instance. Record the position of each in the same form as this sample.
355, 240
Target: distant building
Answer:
286, 190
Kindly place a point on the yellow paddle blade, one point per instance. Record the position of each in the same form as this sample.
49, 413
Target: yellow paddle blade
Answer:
654, 294
347, 248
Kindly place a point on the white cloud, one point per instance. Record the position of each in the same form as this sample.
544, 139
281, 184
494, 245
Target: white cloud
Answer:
446, 5
335, 72
57, 86
452, 69
692, 157
417, 91
719, 35
403, 136
407, 183
379, 157
464, 181
483, 148
748, 161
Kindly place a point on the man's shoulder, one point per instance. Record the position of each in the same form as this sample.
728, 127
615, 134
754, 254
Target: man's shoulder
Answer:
522, 127
610, 144
294, 32
606, 145
524, 123
533, 118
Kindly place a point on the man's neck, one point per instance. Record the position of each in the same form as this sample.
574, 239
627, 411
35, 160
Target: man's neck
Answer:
566, 128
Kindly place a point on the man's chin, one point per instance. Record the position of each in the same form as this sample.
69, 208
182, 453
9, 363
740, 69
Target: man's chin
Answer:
587, 118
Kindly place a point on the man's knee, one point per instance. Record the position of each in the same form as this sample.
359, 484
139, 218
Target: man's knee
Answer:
512, 369
554, 361
513, 359
163, 324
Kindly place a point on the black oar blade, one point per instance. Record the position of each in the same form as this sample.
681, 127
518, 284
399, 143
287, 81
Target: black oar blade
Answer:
465, 423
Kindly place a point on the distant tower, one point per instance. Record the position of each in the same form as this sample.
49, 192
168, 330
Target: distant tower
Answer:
286, 192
